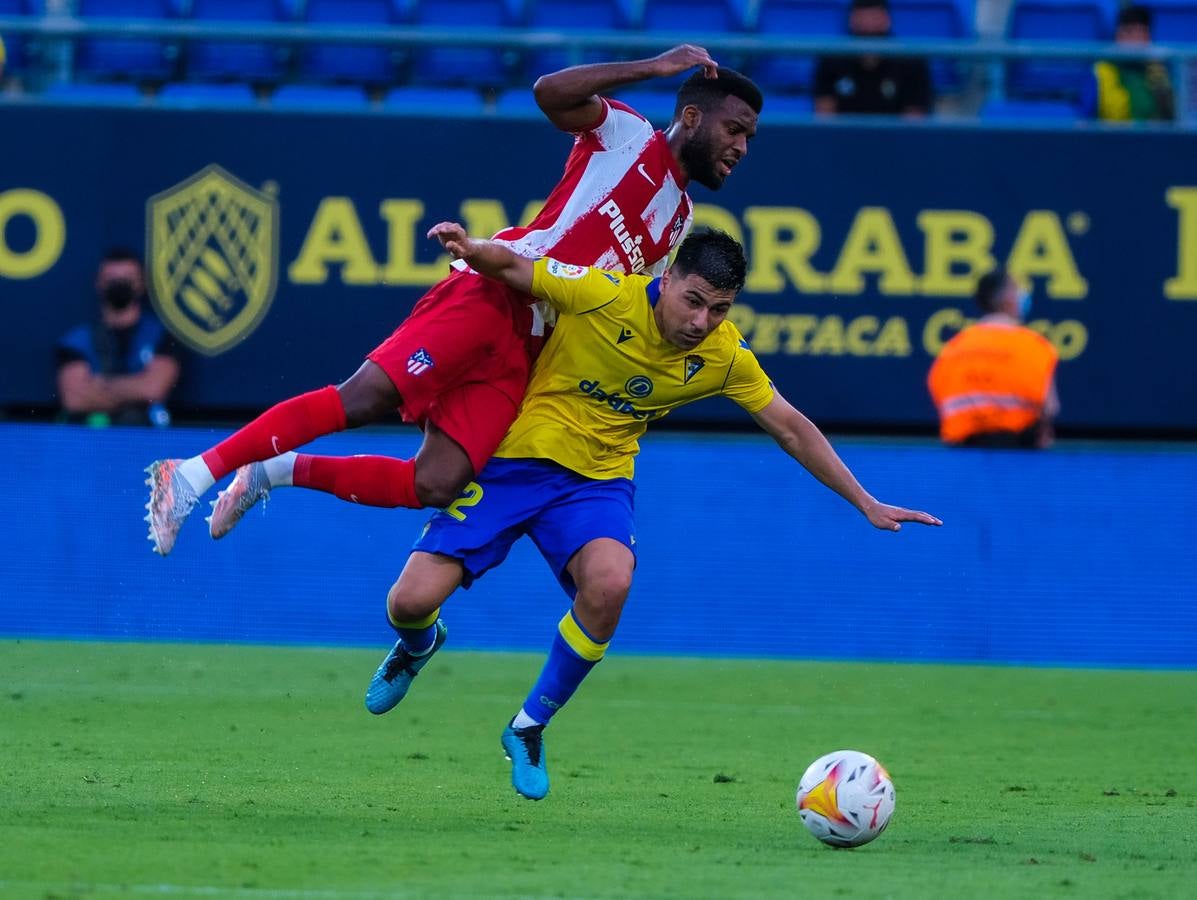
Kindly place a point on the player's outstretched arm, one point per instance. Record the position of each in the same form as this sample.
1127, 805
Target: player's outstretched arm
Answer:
570, 97
492, 259
798, 436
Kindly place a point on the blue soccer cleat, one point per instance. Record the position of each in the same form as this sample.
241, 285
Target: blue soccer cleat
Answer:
525, 749
393, 678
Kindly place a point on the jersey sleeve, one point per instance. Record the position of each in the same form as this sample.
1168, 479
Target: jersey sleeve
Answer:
618, 125
575, 290
746, 381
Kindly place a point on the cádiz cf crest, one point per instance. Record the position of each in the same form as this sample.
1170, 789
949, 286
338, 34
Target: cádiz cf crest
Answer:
212, 250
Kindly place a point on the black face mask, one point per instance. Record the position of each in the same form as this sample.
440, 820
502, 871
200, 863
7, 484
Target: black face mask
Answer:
119, 294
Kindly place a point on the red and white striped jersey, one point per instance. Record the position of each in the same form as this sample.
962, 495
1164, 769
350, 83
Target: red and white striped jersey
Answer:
621, 204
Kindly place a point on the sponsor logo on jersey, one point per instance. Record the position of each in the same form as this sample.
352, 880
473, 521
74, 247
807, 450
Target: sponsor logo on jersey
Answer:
694, 362
625, 334
640, 168
565, 270
616, 400
419, 362
612, 277
639, 386
212, 246
623, 238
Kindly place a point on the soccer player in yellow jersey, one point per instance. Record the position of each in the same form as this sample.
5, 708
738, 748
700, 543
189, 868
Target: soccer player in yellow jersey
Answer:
626, 350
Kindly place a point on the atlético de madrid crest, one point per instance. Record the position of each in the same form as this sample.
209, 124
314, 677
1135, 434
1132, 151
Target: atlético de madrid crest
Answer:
212, 253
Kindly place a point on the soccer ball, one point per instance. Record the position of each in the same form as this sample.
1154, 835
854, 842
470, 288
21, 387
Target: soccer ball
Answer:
845, 798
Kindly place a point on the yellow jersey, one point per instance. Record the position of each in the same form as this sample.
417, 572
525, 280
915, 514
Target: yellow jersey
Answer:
606, 372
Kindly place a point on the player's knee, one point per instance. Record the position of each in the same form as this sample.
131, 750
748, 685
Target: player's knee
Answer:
367, 396
605, 588
437, 489
404, 605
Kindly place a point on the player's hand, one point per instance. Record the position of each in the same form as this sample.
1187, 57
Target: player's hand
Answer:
683, 57
890, 518
453, 238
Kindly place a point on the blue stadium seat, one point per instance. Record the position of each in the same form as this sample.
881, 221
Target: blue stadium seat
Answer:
782, 106
434, 101
1055, 21
319, 98
795, 18
1174, 21
656, 106
518, 103
193, 95
237, 59
478, 66
579, 16
360, 63
1029, 111
17, 46
122, 57
934, 19
685, 17
94, 94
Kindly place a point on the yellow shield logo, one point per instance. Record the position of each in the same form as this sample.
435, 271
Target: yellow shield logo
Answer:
212, 247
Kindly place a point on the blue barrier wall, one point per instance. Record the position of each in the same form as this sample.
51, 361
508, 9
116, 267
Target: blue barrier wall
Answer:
1069, 557
864, 243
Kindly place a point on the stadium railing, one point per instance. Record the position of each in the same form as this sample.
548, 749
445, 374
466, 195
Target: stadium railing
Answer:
1181, 61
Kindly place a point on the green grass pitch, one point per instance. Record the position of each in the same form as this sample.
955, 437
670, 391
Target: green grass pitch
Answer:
254, 772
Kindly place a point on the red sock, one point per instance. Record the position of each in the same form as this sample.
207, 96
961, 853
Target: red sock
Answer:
368, 480
283, 427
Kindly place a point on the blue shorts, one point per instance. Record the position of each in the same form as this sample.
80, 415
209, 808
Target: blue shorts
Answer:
559, 509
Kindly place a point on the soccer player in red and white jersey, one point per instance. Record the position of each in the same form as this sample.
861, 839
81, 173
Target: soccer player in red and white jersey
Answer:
458, 365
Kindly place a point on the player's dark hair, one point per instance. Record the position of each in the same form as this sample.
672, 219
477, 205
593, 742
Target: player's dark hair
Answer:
989, 289
1135, 15
121, 254
714, 256
707, 93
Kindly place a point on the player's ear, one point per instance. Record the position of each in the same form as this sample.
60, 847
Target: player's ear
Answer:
691, 116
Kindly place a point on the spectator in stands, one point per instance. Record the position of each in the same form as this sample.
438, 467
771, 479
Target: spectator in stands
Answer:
872, 84
3, 56
994, 382
1130, 91
120, 368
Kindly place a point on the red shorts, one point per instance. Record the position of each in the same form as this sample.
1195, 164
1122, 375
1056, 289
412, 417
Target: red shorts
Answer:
461, 360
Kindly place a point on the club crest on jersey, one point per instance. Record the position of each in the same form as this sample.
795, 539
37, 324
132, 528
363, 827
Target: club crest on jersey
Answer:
675, 232
565, 270
419, 362
212, 247
694, 362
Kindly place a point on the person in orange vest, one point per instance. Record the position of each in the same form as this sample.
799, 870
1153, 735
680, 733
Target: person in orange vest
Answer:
994, 382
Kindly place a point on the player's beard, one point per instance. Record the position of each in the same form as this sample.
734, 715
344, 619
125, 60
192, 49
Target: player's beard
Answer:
698, 159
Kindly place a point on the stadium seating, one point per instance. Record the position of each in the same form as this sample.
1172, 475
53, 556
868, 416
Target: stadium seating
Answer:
243, 60
1056, 21
122, 57
16, 46
579, 16
94, 93
1174, 21
319, 98
1029, 111
434, 101
795, 18
197, 95
934, 20
655, 105
348, 62
686, 17
477, 66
